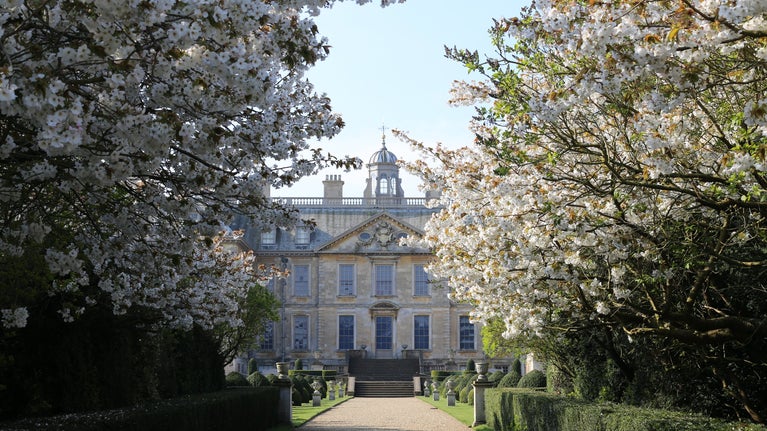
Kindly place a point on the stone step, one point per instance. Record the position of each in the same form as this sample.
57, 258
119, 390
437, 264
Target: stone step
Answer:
383, 389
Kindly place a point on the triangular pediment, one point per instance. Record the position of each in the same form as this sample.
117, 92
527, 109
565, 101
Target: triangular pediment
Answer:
378, 234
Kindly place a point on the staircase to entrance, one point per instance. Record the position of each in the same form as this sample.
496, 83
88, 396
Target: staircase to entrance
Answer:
383, 377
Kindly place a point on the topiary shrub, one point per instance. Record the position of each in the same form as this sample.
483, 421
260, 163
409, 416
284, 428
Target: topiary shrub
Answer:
470, 397
257, 379
296, 397
496, 376
533, 379
272, 378
298, 365
236, 379
252, 366
463, 396
470, 367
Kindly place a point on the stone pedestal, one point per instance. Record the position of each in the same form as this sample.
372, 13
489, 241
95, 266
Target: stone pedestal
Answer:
435, 391
285, 406
331, 391
479, 401
451, 393
316, 396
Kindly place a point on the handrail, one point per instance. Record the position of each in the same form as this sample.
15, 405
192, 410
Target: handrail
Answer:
379, 202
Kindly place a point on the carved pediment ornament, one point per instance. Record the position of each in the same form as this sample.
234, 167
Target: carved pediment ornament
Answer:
383, 234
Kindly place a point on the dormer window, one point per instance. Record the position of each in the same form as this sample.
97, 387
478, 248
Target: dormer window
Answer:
269, 237
303, 235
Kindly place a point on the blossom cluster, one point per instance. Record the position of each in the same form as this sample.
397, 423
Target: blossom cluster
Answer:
622, 152
133, 130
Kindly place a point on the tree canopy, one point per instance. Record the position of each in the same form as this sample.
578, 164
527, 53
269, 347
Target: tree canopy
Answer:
619, 179
131, 132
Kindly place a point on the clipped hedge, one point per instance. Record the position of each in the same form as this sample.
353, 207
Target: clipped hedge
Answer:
524, 409
438, 376
233, 408
325, 374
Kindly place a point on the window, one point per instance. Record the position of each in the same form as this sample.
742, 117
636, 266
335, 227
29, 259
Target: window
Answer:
384, 332
345, 332
383, 187
303, 234
384, 281
269, 237
466, 333
300, 332
267, 338
346, 275
420, 332
301, 280
420, 281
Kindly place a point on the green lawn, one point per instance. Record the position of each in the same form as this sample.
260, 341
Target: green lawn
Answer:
305, 412
461, 411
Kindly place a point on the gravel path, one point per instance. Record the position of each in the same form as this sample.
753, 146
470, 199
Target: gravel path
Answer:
383, 414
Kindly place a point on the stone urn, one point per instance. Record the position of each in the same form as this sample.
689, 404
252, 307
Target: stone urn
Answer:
481, 368
450, 385
282, 370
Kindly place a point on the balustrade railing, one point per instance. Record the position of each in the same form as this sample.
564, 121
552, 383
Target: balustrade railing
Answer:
379, 202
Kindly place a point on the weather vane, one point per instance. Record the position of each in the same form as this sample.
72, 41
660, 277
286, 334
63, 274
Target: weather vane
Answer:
383, 134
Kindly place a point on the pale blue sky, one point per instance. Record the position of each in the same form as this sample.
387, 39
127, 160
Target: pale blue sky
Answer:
387, 67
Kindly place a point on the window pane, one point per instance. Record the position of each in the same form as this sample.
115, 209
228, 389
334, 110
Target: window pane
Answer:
384, 280
346, 280
301, 280
345, 332
384, 333
421, 281
301, 332
302, 235
267, 338
269, 237
466, 333
421, 332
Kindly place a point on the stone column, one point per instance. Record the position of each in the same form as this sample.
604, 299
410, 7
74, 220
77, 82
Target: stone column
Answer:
331, 390
435, 391
285, 385
479, 401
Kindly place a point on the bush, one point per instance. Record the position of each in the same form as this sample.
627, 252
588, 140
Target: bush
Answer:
496, 376
464, 395
514, 409
298, 365
470, 397
533, 379
470, 367
252, 366
296, 396
257, 379
236, 379
510, 380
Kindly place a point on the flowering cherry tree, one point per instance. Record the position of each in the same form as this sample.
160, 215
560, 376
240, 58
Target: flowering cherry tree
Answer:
130, 133
619, 178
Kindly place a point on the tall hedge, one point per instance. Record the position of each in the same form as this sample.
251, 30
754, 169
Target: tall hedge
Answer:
523, 409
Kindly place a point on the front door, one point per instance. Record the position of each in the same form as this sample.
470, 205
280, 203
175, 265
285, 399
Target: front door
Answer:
384, 336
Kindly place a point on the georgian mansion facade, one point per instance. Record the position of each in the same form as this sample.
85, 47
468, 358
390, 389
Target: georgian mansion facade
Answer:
352, 289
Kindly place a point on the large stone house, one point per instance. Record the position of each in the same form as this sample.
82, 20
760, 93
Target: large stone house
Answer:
352, 289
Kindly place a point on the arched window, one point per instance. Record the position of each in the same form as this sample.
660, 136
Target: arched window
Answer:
383, 186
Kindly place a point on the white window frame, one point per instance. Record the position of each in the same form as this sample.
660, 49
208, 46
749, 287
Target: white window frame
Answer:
303, 235
269, 237
393, 273
294, 278
341, 288
474, 334
354, 331
426, 280
428, 332
293, 332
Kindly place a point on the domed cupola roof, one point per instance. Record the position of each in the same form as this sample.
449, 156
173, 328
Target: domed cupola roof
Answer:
383, 155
